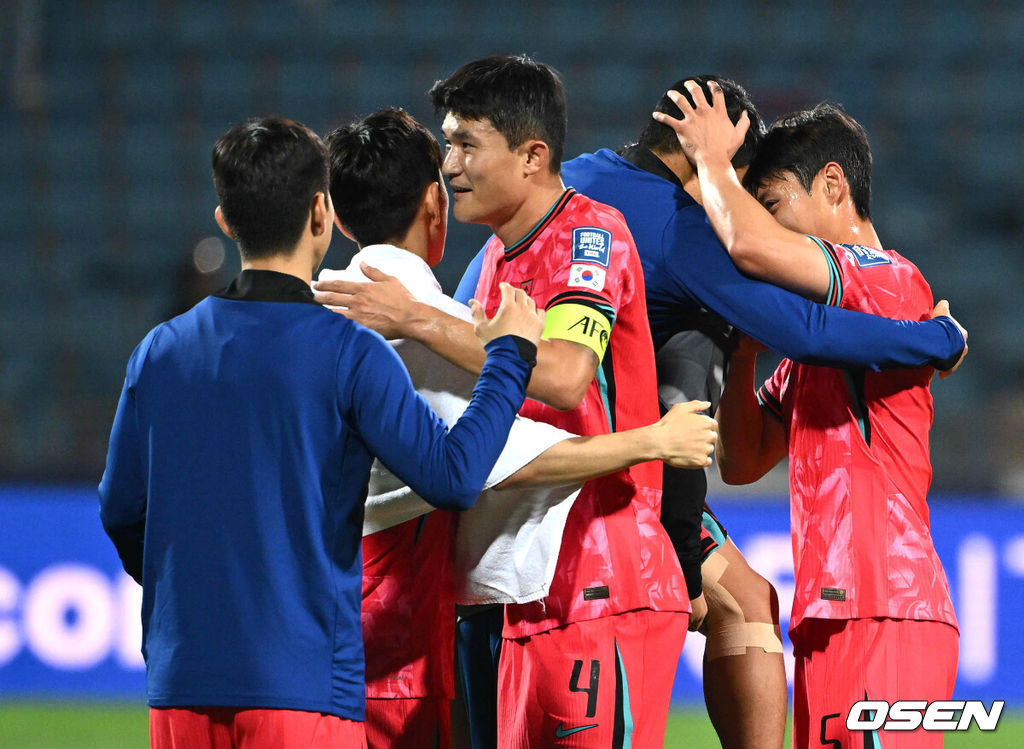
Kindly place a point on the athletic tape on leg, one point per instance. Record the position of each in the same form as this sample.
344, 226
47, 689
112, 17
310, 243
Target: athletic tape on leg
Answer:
728, 632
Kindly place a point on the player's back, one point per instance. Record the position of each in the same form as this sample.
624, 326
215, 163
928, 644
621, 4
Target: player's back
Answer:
252, 565
859, 462
580, 263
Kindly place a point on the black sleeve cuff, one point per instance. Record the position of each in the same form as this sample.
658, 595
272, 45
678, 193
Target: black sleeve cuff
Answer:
527, 349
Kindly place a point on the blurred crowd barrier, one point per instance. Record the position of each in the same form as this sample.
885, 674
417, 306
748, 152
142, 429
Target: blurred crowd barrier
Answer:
69, 616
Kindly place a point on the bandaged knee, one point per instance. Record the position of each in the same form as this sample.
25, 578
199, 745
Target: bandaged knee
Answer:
727, 630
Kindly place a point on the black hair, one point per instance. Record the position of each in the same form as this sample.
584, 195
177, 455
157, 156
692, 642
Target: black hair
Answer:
523, 99
266, 172
804, 142
379, 169
661, 138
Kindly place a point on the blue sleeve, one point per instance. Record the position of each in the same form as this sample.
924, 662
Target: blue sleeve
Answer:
123, 490
447, 468
796, 327
467, 286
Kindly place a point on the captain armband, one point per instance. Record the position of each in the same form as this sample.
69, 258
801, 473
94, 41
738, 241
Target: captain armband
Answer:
580, 324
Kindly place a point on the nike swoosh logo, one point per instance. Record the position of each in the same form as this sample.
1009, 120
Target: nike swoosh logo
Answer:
561, 733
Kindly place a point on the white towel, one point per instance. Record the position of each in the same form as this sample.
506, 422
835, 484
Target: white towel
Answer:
508, 543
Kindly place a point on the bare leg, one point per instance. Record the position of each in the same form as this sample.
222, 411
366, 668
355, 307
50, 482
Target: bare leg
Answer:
744, 675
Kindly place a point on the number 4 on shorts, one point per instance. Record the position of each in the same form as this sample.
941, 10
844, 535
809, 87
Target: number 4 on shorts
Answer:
574, 684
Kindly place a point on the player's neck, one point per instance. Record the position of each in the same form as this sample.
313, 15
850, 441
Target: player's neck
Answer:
299, 263
680, 166
849, 228
528, 214
414, 242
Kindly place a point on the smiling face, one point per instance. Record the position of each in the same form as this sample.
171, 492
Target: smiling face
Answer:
792, 205
486, 176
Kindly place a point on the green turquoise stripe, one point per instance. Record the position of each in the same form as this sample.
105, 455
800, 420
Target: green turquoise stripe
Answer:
627, 713
602, 384
769, 403
835, 278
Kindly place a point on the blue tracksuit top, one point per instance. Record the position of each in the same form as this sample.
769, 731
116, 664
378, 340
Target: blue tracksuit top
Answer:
235, 482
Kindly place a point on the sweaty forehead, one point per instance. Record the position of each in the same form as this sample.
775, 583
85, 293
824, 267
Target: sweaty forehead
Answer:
463, 127
775, 182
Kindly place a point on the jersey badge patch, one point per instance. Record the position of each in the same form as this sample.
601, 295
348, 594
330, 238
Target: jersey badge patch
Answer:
833, 594
586, 276
591, 245
526, 285
867, 257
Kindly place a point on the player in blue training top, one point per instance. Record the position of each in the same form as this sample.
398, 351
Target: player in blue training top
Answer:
239, 460
694, 294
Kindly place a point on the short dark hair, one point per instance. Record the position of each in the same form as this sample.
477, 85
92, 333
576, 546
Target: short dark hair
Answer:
804, 142
266, 172
379, 169
662, 138
523, 99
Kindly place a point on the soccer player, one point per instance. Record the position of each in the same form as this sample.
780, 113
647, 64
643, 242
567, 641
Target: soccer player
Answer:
239, 458
872, 616
694, 292
592, 663
391, 199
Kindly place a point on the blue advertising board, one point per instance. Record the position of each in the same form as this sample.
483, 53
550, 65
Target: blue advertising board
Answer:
69, 616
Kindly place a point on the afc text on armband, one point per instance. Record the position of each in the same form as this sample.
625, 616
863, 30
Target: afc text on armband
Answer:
591, 327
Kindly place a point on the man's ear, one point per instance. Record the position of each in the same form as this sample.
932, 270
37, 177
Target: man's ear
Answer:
321, 214
834, 183
431, 202
537, 156
218, 216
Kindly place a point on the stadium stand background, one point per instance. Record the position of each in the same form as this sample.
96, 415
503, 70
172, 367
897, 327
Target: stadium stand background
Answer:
110, 109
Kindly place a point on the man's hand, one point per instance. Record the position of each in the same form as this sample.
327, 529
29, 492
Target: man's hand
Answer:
686, 438
517, 315
942, 310
706, 133
384, 305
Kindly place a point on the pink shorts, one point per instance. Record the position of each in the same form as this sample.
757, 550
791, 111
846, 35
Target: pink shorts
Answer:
842, 661
241, 728
600, 683
408, 723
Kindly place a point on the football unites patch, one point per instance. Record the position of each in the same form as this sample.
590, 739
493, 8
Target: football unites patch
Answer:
867, 257
587, 276
591, 245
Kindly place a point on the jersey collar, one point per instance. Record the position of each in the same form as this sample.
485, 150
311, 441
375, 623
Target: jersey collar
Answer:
642, 158
267, 286
523, 244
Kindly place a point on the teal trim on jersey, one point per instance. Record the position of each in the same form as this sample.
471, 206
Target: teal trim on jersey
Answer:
875, 740
835, 279
713, 528
627, 714
602, 384
860, 408
769, 403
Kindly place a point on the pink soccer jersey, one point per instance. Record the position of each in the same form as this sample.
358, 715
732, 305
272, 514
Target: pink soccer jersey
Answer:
858, 462
408, 611
581, 265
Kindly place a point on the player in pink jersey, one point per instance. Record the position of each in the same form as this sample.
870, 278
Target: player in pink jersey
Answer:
872, 617
386, 180
591, 664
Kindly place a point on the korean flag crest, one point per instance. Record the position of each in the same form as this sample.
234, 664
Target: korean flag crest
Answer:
587, 276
